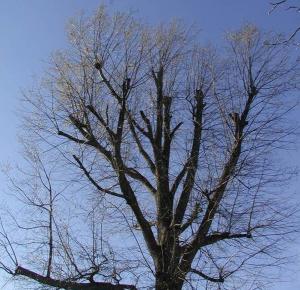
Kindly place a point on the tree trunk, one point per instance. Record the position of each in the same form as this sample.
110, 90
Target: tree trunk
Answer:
164, 281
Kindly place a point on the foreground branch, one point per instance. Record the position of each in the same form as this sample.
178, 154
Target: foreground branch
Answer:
71, 285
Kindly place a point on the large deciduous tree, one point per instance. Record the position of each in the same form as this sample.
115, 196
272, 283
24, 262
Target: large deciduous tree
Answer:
154, 160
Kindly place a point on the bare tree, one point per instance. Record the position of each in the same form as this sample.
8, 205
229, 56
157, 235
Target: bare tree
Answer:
168, 148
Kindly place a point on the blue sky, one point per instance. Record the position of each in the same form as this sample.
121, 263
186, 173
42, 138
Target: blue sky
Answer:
31, 29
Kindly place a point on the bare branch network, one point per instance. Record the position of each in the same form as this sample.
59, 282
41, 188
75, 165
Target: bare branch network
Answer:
152, 161
287, 5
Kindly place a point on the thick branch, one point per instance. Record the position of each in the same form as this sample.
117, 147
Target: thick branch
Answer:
214, 238
240, 121
90, 138
159, 80
101, 120
65, 284
127, 190
143, 222
99, 67
192, 218
72, 138
148, 133
191, 166
133, 173
141, 147
206, 277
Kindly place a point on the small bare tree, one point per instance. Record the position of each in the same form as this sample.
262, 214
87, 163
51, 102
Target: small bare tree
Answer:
166, 160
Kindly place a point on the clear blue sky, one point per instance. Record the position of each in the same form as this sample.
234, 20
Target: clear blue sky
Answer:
31, 29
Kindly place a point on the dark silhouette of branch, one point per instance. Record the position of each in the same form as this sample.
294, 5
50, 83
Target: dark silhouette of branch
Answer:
64, 284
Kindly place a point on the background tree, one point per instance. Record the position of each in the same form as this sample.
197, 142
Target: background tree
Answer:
155, 160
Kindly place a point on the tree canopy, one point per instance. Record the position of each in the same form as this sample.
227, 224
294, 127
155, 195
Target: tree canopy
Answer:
153, 160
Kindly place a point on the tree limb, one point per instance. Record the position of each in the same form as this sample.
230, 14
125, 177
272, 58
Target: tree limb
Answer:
65, 284
206, 277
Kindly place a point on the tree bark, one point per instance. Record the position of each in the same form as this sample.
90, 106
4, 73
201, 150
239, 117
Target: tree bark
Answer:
164, 281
